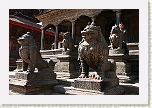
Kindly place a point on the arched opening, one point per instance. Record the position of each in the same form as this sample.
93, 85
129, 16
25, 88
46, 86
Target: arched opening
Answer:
108, 27
65, 26
49, 36
81, 23
106, 19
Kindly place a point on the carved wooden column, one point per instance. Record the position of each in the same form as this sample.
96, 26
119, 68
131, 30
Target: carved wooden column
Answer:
56, 37
73, 31
118, 16
42, 37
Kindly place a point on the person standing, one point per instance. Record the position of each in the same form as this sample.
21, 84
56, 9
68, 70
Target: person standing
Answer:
123, 32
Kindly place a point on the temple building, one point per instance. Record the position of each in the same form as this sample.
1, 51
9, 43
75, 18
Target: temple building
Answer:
74, 20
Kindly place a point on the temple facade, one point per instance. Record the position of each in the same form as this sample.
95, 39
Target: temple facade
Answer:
74, 20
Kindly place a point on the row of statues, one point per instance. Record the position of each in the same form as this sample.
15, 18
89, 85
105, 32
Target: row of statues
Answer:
93, 50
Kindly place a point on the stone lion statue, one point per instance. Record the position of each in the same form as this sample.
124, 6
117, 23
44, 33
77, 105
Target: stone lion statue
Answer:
30, 54
93, 52
116, 38
67, 43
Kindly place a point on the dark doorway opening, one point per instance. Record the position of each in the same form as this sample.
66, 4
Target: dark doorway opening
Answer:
108, 29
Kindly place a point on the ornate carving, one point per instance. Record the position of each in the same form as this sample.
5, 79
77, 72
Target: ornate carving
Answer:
67, 43
30, 54
116, 38
58, 15
93, 52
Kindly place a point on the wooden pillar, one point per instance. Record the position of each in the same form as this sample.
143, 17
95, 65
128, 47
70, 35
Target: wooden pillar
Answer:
42, 37
118, 17
56, 37
73, 31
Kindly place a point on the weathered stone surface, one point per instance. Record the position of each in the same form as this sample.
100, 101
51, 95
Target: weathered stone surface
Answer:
117, 90
31, 90
30, 77
93, 51
35, 76
116, 51
98, 85
68, 44
82, 92
32, 83
66, 67
29, 53
123, 67
116, 38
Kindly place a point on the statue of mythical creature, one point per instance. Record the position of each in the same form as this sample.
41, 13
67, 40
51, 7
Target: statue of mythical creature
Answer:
116, 38
67, 43
30, 54
93, 52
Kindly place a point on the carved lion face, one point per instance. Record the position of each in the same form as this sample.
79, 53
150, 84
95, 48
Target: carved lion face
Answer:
90, 32
24, 40
66, 35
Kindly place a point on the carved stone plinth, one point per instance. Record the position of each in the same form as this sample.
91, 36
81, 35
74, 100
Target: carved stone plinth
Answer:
100, 87
66, 67
32, 83
123, 67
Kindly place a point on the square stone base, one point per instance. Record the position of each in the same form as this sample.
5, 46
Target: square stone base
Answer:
32, 83
97, 85
31, 90
117, 90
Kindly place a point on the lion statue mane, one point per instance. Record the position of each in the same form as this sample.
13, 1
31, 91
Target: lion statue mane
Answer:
93, 52
116, 38
68, 45
30, 54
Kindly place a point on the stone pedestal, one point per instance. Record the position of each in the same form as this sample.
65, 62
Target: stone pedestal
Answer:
116, 51
123, 67
66, 67
89, 86
32, 83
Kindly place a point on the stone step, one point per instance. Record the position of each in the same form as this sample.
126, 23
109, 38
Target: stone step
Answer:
61, 89
117, 90
130, 88
82, 92
12, 74
67, 90
126, 79
133, 46
66, 82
